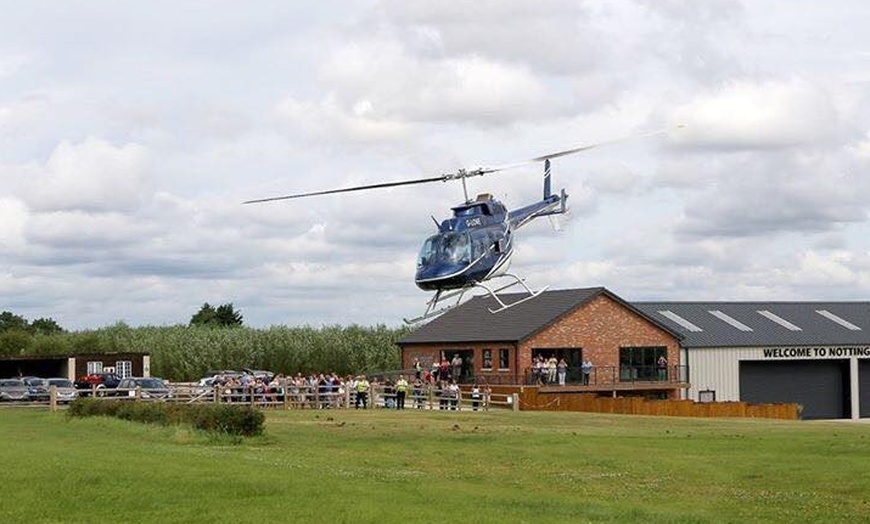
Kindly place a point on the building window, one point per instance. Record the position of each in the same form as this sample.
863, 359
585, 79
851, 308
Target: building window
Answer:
642, 363
504, 358
95, 367
124, 368
487, 359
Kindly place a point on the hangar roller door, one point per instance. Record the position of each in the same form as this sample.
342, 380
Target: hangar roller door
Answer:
864, 387
821, 386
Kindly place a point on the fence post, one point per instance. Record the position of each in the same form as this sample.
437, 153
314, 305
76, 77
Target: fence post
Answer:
52, 397
515, 401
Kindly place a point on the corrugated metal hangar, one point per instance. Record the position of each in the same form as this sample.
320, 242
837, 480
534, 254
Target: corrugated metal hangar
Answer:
816, 354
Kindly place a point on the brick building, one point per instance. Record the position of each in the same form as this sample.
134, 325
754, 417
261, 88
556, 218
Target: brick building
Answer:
624, 344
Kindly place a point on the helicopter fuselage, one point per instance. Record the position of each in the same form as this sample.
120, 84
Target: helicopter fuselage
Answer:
476, 244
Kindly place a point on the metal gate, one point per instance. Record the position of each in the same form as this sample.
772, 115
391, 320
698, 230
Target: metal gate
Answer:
820, 386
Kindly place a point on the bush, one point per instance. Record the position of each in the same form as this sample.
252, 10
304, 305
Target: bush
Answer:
214, 418
233, 420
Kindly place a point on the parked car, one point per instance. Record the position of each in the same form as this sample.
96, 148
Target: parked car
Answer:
148, 387
97, 380
37, 387
65, 391
265, 376
13, 389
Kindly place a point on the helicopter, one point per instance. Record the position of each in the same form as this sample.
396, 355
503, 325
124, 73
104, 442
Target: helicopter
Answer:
473, 248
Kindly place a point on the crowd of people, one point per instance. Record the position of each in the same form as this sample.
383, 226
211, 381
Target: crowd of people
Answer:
550, 370
330, 390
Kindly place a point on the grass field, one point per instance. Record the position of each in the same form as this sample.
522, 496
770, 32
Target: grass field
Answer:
421, 467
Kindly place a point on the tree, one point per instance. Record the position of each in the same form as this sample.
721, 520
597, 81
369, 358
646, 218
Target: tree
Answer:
45, 326
10, 321
222, 316
227, 316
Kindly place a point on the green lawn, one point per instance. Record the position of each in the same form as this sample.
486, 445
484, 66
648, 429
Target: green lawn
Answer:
421, 467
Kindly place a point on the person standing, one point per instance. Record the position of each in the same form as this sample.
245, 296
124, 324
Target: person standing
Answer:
552, 366
418, 368
454, 393
586, 368
418, 393
401, 390
662, 367
362, 392
456, 364
562, 371
475, 396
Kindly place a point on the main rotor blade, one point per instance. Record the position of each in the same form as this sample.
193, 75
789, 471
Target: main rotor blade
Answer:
441, 178
462, 173
575, 150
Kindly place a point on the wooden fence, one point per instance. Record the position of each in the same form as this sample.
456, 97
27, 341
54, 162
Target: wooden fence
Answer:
530, 399
305, 397
516, 398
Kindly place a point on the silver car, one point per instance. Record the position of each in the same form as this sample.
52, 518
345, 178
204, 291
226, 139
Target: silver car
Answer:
13, 389
63, 389
147, 388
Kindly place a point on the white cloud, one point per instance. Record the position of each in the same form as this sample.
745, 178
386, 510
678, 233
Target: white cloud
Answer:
91, 175
12, 64
754, 115
328, 119
13, 220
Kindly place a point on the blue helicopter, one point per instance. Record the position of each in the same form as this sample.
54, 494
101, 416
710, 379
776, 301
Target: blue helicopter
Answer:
473, 248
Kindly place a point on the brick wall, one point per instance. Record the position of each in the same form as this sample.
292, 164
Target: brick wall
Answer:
428, 353
600, 328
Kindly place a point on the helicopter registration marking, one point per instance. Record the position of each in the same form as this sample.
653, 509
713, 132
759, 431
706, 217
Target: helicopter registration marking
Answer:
471, 222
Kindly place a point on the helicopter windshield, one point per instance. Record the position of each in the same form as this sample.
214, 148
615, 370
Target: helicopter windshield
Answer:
445, 248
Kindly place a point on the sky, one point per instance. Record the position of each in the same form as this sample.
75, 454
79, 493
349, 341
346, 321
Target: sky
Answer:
131, 132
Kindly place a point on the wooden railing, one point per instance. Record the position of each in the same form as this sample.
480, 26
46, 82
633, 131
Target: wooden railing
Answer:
313, 397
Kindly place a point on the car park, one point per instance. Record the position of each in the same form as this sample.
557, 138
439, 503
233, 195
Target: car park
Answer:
64, 389
13, 389
145, 387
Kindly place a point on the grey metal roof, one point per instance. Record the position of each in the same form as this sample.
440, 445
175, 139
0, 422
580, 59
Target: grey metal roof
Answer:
472, 321
783, 324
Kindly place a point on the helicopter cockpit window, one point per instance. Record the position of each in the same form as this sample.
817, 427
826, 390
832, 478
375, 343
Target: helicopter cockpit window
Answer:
445, 248
457, 249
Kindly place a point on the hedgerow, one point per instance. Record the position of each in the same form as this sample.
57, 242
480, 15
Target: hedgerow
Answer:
186, 353
214, 418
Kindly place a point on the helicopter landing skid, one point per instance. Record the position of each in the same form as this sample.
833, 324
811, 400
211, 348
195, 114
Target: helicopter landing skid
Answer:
432, 309
517, 281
